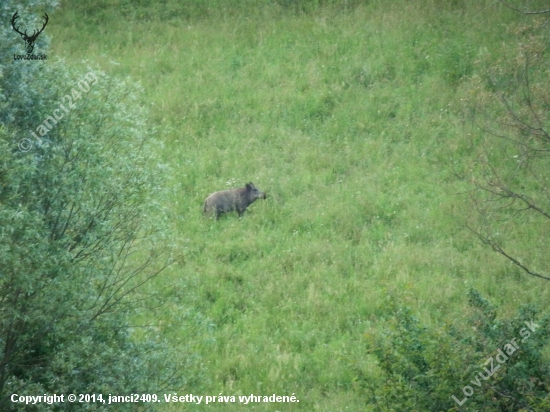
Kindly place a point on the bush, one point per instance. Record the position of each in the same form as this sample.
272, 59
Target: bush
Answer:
423, 369
82, 230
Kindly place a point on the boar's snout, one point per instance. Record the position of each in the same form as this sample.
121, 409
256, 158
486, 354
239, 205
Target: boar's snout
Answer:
254, 192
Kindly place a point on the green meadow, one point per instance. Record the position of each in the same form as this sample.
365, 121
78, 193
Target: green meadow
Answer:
355, 118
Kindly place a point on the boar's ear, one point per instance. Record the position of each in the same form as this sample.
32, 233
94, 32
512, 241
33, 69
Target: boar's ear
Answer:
249, 186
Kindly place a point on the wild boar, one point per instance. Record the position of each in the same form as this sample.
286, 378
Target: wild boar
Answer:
234, 199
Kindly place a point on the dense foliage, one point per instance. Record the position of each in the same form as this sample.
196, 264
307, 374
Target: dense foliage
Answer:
81, 233
500, 360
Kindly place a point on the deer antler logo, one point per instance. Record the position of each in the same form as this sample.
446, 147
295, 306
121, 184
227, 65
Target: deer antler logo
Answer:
28, 39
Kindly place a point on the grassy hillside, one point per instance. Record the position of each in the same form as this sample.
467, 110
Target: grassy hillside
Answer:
351, 118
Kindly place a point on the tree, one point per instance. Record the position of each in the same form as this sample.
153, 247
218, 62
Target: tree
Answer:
82, 229
511, 174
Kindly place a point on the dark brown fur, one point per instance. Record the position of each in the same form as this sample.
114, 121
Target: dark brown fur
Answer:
233, 199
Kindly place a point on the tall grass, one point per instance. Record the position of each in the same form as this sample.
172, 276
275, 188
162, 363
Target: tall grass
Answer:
350, 116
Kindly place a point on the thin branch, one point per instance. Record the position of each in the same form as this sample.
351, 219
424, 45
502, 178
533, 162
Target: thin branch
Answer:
113, 300
498, 249
524, 12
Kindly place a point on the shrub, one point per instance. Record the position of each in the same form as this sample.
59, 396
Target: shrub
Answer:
82, 230
424, 368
